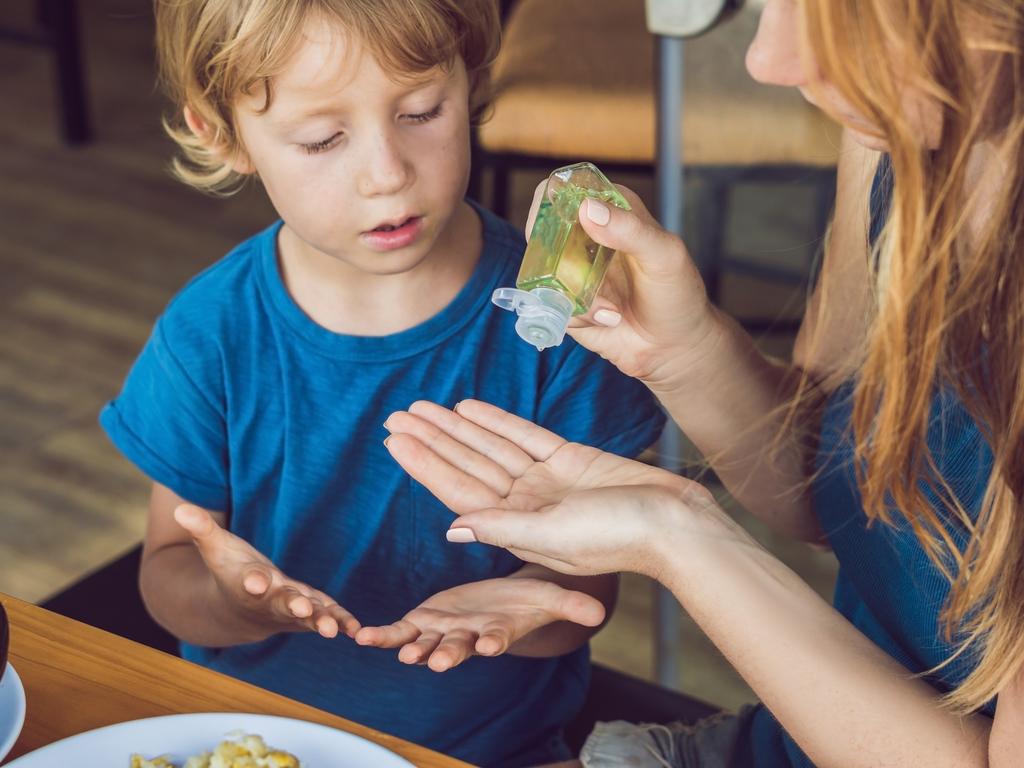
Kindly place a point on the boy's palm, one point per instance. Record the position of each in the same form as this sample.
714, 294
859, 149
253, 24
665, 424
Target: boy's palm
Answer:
259, 591
483, 618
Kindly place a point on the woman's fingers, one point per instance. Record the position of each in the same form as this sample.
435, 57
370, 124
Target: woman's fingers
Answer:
457, 490
439, 430
655, 250
503, 528
538, 195
537, 442
513, 460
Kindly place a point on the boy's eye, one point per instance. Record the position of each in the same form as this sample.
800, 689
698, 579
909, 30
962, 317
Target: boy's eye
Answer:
320, 146
425, 117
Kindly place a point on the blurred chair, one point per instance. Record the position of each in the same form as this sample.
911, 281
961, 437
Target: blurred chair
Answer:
109, 598
617, 696
576, 80
57, 29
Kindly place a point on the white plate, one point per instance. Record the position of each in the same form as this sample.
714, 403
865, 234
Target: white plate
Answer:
12, 709
181, 736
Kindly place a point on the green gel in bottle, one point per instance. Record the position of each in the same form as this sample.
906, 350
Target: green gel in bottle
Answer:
563, 267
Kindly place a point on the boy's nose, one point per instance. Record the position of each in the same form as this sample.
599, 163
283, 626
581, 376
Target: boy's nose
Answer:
384, 170
774, 56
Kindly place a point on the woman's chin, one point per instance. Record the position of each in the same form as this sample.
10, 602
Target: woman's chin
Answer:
869, 141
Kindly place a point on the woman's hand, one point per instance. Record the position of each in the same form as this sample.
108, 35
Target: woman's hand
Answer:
255, 589
484, 618
569, 507
652, 318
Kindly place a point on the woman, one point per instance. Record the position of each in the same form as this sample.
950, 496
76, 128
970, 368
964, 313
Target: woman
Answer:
896, 435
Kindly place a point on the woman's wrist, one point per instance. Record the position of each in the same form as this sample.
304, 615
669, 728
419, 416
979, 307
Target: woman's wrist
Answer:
685, 365
691, 524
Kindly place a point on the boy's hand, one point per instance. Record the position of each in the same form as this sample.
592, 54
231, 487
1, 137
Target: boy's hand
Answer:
483, 618
256, 588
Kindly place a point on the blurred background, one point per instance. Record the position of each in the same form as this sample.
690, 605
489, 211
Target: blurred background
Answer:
95, 238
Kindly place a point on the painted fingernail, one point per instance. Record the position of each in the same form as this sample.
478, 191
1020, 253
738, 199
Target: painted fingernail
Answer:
598, 212
460, 535
607, 318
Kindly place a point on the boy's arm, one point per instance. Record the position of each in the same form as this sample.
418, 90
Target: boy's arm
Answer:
563, 637
208, 587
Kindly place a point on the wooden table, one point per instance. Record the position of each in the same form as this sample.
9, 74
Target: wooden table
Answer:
78, 678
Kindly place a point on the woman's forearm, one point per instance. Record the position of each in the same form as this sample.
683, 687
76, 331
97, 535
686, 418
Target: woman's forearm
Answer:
181, 595
844, 701
732, 402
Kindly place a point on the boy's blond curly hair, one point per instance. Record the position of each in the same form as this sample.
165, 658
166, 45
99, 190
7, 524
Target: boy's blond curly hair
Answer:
210, 52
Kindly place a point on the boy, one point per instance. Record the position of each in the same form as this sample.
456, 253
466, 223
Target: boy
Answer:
257, 405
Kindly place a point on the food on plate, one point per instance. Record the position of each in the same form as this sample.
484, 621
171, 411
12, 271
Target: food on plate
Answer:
248, 751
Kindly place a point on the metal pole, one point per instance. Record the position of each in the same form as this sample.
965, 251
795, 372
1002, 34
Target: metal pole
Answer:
669, 182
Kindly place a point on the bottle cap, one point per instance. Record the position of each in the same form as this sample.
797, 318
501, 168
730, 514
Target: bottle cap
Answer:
544, 314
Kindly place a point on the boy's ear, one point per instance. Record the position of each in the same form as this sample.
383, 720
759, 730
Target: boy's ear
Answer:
239, 162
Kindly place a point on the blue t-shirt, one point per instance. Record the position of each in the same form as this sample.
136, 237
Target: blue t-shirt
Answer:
241, 403
887, 586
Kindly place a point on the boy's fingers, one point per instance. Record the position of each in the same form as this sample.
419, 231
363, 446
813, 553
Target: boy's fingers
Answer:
256, 581
494, 639
455, 648
391, 636
281, 602
325, 624
420, 649
199, 524
579, 608
348, 623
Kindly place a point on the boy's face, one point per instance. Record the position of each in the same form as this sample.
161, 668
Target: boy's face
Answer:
361, 168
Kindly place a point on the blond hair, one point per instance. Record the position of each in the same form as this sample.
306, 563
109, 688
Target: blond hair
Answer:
952, 309
210, 52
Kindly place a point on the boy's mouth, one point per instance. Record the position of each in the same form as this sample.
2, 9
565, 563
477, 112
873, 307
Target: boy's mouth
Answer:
392, 227
391, 235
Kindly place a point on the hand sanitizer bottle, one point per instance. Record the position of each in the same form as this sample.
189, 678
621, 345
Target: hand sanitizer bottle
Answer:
563, 267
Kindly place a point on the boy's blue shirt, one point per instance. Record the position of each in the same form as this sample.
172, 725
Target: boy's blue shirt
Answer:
241, 403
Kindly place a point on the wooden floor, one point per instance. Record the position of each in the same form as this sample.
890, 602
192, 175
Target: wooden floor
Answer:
95, 240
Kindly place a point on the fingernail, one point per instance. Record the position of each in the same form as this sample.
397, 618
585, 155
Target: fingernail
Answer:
607, 317
386, 440
460, 535
598, 212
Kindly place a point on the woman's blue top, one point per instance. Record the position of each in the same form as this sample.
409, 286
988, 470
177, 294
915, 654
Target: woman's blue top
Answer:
887, 586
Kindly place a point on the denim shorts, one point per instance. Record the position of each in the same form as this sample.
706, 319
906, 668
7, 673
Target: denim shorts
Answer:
718, 741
